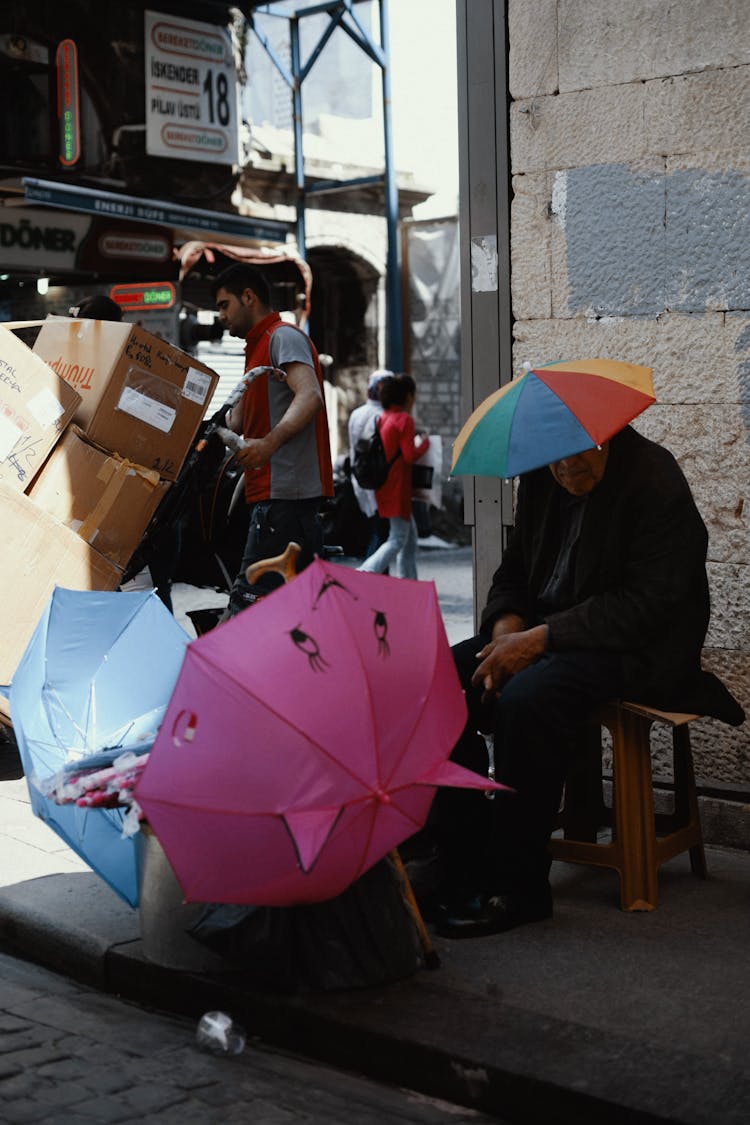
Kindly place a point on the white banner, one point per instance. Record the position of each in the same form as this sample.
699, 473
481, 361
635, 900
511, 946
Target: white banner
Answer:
191, 90
31, 238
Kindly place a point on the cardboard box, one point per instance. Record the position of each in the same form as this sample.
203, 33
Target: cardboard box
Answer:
105, 499
35, 407
140, 397
37, 554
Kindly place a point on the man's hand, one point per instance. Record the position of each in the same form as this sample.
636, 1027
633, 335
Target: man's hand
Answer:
507, 653
255, 453
307, 401
508, 623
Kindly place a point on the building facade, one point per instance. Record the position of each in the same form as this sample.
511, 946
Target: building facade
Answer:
129, 139
615, 160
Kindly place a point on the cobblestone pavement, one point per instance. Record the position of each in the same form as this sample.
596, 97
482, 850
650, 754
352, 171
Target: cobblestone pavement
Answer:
73, 1056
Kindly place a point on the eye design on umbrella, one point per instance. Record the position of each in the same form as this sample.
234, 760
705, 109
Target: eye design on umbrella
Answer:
309, 646
380, 627
327, 584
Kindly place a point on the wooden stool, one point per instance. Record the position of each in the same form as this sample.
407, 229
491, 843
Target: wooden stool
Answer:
641, 840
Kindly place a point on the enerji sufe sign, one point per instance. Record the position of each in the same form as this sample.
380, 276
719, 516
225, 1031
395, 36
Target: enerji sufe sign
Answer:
191, 90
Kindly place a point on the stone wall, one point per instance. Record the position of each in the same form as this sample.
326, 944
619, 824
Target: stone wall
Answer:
630, 234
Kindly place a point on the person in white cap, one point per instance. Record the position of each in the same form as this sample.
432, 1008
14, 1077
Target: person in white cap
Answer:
362, 424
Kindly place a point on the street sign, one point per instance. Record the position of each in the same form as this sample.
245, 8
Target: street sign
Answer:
128, 207
191, 90
155, 295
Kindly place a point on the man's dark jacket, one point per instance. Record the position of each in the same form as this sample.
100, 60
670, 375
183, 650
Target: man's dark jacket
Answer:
639, 584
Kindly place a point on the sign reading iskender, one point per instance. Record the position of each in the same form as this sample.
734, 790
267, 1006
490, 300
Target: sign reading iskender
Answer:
191, 90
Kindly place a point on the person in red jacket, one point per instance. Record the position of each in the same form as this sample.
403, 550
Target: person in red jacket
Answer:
397, 395
286, 454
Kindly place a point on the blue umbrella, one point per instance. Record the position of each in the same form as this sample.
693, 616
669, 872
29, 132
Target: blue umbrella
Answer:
96, 676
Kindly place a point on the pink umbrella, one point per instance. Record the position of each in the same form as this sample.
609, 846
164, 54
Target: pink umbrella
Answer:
305, 739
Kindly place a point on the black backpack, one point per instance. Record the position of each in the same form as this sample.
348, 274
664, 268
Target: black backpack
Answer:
370, 466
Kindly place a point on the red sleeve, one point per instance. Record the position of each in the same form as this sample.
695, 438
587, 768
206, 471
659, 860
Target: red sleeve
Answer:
409, 451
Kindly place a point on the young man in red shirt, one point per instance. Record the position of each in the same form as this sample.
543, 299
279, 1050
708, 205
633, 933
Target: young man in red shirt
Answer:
286, 456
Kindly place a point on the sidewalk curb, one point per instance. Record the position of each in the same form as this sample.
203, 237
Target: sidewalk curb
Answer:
516, 1064
372, 1032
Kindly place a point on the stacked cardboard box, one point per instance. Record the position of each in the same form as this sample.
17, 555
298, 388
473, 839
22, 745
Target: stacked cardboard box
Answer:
39, 553
35, 407
106, 499
139, 396
138, 403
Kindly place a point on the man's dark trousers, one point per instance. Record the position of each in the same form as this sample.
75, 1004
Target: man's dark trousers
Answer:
536, 726
273, 525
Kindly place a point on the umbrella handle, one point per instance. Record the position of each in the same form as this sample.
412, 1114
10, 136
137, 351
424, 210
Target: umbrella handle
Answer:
431, 958
284, 564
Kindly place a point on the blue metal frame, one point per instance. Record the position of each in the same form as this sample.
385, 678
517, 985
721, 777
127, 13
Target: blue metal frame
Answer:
343, 15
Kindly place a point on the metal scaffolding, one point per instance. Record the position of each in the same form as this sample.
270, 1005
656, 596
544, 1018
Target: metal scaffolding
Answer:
342, 14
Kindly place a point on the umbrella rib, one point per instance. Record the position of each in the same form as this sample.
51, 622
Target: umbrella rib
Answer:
371, 830
54, 694
425, 697
84, 732
348, 626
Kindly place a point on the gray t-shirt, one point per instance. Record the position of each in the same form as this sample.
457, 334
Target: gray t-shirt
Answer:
295, 467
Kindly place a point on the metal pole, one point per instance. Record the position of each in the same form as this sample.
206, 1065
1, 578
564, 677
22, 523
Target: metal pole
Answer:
395, 344
299, 156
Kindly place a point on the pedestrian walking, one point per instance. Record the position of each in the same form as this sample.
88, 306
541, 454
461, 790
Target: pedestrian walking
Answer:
394, 500
286, 454
361, 425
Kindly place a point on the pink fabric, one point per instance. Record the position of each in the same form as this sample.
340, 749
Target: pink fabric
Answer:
305, 738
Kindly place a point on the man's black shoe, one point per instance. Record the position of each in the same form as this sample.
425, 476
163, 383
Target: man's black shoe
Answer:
492, 914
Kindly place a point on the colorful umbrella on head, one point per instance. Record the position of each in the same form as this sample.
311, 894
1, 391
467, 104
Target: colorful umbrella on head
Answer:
305, 739
549, 413
96, 677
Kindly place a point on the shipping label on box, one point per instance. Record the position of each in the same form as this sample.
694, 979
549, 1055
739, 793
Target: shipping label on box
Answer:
38, 553
105, 499
140, 397
35, 407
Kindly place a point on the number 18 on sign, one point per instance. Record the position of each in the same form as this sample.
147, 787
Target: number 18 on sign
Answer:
191, 90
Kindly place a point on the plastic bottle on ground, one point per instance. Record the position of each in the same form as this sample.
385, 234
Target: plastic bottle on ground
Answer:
218, 1033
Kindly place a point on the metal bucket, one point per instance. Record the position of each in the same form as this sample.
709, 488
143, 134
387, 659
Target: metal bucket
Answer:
164, 916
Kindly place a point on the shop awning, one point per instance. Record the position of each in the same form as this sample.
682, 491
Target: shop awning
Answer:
91, 201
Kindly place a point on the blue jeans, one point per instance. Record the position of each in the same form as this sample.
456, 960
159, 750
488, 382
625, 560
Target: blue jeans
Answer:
273, 525
401, 545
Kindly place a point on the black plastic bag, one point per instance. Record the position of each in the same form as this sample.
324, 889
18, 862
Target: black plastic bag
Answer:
362, 938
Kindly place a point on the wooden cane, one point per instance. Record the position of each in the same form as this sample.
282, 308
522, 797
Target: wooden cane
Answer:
284, 564
431, 958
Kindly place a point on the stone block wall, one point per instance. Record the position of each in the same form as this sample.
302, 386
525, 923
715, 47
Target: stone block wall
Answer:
630, 239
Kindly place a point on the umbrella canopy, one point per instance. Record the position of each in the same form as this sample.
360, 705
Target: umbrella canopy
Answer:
96, 676
305, 739
549, 413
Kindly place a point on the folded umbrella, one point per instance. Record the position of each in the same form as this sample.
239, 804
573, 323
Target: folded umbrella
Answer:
305, 739
549, 413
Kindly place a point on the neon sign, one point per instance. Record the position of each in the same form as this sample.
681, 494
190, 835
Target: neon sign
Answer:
68, 103
159, 295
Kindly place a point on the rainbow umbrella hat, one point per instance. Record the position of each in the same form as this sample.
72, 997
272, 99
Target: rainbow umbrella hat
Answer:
549, 413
